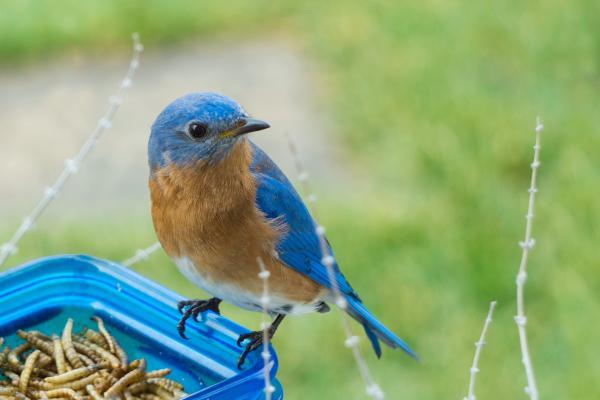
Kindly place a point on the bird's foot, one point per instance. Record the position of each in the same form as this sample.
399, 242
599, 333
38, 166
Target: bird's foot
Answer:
255, 341
192, 308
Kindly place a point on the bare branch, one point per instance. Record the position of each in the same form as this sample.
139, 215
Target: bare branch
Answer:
478, 348
372, 389
527, 244
141, 254
266, 355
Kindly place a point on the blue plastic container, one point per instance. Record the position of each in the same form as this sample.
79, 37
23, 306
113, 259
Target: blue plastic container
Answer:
141, 314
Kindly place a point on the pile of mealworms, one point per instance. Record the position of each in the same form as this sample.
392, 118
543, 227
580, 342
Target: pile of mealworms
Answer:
89, 365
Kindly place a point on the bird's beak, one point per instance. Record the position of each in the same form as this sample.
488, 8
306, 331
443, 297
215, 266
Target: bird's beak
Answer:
246, 126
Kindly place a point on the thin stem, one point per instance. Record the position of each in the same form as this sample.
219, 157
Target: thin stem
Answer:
527, 244
266, 355
372, 389
478, 348
141, 254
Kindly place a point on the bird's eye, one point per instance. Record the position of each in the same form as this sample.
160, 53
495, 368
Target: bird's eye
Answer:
197, 130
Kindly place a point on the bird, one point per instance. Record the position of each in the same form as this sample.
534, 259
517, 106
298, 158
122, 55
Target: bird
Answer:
220, 206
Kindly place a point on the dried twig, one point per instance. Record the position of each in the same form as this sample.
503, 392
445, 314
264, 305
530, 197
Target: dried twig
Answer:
372, 389
141, 254
527, 244
266, 355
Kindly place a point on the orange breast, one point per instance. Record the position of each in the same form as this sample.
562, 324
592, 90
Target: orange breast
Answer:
207, 213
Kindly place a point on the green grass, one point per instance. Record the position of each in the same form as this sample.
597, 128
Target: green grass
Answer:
436, 102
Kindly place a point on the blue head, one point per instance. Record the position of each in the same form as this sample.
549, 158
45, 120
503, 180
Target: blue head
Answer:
198, 127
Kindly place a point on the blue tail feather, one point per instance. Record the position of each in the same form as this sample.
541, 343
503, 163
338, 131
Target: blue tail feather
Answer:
374, 341
374, 329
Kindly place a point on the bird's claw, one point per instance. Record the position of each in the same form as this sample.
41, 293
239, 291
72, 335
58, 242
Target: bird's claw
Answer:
198, 310
193, 308
183, 304
181, 329
250, 335
256, 340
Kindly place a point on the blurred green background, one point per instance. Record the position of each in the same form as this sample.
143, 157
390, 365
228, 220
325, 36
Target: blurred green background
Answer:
436, 103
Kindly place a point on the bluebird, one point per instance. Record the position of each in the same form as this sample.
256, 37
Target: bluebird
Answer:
219, 204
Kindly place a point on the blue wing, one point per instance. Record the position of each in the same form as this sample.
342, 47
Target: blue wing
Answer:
300, 248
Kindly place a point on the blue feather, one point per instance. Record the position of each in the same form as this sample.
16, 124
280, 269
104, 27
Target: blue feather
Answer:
373, 339
300, 248
359, 312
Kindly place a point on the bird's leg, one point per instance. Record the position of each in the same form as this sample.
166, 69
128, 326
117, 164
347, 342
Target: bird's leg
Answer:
192, 308
256, 339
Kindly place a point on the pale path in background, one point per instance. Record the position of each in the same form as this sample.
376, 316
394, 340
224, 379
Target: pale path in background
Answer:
46, 111
72, 165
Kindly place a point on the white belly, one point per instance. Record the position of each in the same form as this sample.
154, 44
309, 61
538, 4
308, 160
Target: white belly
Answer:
238, 296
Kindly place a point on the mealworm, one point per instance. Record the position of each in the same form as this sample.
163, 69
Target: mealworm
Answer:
27, 369
14, 378
40, 335
99, 384
129, 378
134, 364
7, 391
95, 337
73, 375
43, 372
92, 392
167, 384
138, 387
59, 355
121, 355
109, 339
158, 373
44, 360
36, 394
21, 396
128, 395
104, 381
38, 384
160, 392
55, 398
114, 361
148, 396
36, 342
67, 343
13, 355
80, 384
4, 355
63, 392
86, 360
116, 374
87, 353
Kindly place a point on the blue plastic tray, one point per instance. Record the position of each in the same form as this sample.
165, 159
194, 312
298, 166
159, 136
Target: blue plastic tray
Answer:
141, 314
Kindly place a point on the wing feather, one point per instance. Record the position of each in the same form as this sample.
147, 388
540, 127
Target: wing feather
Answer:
299, 247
